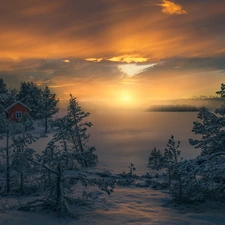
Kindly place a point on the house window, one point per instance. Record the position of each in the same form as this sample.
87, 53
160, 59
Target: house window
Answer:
18, 114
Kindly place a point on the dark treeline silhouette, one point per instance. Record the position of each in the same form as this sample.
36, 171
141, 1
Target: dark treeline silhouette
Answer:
173, 108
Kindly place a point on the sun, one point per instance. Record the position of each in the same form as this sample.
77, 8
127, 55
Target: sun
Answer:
126, 98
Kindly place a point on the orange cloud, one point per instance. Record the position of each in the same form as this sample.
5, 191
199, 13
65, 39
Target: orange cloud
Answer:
66, 60
171, 8
59, 86
94, 59
128, 59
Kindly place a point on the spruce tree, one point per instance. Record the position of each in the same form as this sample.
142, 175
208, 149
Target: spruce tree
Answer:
3, 95
211, 128
48, 107
3, 88
78, 133
156, 160
30, 95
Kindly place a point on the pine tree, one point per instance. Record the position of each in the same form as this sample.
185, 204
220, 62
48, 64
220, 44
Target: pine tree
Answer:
78, 136
3, 88
172, 153
11, 97
48, 107
156, 160
203, 177
10, 131
211, 128
22, 156
58, 182
3, 95
30, 95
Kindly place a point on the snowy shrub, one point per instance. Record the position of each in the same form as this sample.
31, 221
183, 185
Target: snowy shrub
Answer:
168, 159
105, 173
128, 177
158, 184
129, 174
199, 179
185, 185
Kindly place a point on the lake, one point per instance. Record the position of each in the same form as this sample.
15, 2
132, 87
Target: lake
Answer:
122, 137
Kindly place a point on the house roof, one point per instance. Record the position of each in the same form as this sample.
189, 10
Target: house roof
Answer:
15, 103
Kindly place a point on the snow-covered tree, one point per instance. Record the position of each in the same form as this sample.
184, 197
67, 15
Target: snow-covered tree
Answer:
84, 154
62, 128
211, 128
21, 157
199, 179
9, 130
172, 153
68, 150
11, 97
30, 95
3, 95
48, 103
3, 88
168, 159
58, 181
203, 177
71, 135
79, 126
5, 130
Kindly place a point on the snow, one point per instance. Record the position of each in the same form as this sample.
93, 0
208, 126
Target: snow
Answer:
127, 205
131, 205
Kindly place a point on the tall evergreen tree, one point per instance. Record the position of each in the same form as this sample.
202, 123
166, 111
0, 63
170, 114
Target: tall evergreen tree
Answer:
30, 95
49, 107
21, 157
3, 88
79, 127
7, 96
3, 95
71, 135
212, 128
79, 136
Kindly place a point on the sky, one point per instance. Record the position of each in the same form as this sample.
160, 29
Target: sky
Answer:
115, 52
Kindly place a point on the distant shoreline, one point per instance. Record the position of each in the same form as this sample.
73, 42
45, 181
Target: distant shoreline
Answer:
173, 108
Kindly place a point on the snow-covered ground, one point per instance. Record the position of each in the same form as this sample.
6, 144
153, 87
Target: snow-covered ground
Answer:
126, 206
119, 141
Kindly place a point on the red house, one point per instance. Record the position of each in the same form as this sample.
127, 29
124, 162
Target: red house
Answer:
16, 111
